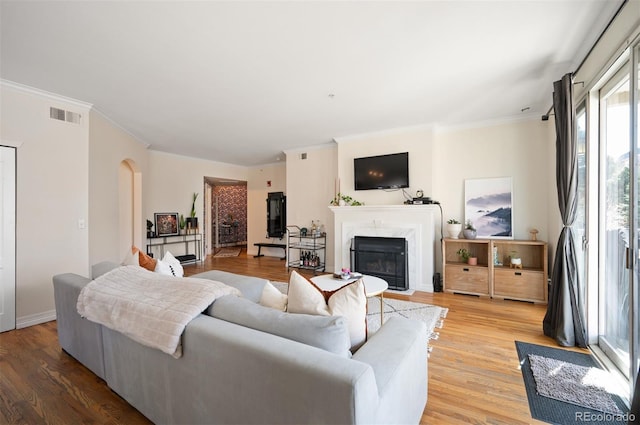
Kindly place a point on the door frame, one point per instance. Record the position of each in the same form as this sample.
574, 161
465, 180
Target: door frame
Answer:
9, 248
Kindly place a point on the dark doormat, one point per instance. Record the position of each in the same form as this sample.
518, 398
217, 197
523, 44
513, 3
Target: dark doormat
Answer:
558, 412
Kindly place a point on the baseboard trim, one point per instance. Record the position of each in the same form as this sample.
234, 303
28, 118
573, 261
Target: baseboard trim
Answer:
35, 319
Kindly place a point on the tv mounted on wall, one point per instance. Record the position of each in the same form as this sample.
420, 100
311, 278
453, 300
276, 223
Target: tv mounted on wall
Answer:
382, 172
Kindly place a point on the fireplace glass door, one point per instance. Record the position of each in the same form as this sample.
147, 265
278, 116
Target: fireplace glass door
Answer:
385, 258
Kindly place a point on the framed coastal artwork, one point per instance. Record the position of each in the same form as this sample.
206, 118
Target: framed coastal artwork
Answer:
489, 206
166, 224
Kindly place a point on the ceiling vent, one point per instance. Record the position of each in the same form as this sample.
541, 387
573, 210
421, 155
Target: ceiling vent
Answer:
62, 115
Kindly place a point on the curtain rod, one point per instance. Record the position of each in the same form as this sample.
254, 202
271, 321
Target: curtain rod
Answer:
545, 117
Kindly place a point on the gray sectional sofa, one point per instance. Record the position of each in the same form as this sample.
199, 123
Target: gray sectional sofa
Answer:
230, 373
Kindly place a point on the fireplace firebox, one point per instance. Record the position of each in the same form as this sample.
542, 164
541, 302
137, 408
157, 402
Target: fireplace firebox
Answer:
383, 257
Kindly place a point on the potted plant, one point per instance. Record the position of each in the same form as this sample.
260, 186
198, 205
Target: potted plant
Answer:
469, 231
192, 222
467, 256
182, 224
453, 228
149, 229
342, 200
516, 261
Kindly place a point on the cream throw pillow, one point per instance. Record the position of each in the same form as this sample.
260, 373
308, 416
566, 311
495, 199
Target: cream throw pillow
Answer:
349, 301
273, 298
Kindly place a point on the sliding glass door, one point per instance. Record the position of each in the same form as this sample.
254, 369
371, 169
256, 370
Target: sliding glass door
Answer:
616, 310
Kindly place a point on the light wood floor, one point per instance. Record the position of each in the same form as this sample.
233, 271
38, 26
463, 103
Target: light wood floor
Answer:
473, 370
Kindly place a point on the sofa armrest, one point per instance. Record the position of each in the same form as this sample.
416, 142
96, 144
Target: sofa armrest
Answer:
102, 267
398, 355
79, 337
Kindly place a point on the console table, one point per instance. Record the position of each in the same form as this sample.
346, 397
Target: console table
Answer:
190, 256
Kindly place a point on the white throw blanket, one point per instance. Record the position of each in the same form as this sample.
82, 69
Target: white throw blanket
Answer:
150, 308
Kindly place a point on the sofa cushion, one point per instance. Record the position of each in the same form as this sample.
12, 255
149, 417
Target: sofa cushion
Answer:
349, 301
328, 333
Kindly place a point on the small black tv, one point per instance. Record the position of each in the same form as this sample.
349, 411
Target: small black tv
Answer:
381, 172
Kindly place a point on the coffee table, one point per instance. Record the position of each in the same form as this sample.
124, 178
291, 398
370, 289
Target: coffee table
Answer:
373, 286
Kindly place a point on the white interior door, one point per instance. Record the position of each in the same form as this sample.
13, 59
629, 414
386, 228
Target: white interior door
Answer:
8, 233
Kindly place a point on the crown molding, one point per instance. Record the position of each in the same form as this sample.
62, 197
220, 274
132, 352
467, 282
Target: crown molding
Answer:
309, 148
383, 133
532, 116
43, 93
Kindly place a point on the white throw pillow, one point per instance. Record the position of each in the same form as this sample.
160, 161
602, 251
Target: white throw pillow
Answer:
175, 263
349, 301
169, 266
273, 298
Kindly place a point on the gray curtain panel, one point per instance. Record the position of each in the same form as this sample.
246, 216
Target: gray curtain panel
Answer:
564, 320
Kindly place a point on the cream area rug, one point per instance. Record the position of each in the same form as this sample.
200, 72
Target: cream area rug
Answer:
227, 252
432, 315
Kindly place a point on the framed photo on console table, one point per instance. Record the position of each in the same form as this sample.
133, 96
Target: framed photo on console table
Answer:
166, 224
489, 206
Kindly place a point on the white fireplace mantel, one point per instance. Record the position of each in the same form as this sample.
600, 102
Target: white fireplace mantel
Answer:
412, 222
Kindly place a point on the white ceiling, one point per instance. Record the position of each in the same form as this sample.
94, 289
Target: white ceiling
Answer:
240, 82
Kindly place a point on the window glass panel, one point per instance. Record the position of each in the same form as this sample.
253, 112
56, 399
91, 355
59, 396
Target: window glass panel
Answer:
580, 224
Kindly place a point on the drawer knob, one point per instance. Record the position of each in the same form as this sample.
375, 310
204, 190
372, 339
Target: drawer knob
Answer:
518, 274
465, 269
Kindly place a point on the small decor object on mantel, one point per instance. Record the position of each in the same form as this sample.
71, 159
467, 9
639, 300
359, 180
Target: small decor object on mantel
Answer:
453, 228
534, 234
345, 200
469, 231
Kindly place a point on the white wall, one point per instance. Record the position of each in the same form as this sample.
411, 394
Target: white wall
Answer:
439, 163
109, 146
418, 141
257, 191
517, 150
310, 189
172, 181
52, 195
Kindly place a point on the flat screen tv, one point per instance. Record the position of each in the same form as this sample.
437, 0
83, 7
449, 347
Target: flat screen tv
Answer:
382, 172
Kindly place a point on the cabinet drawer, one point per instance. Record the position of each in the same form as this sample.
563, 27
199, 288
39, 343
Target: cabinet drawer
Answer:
464, 278
519, 284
